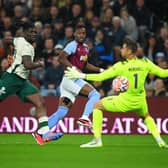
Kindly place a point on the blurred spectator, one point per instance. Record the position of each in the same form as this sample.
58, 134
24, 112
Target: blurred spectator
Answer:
3, 65
88, 17
38, 74
7, 25
76, 13
65, 11
160, 89
105, 4
142, 16
92, 5
163, 35
106, 20
52, 78
57, 49
18, 14
95, 25
118, 5
45, 33
80, 22
58, 30
104, 49
48, 51
151, 48
5, 44
93, 56
69, 31
165, 49
118, 33
36, 14
140, 52
34, 80
160, 60
128, 23
150, 85
53, 14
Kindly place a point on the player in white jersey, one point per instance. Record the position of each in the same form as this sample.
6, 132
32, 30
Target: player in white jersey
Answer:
15, 81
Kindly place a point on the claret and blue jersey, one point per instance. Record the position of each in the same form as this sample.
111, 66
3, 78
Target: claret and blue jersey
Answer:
78, 54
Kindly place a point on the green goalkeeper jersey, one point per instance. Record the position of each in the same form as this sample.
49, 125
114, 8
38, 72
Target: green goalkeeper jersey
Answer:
135, 70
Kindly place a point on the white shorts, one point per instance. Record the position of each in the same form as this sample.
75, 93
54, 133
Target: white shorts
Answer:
70, 88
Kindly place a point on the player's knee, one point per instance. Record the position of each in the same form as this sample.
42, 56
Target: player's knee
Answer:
97, 105
40, 103
66, 101
94, 95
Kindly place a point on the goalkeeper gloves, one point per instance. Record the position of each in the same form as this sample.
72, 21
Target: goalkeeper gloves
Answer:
72, 72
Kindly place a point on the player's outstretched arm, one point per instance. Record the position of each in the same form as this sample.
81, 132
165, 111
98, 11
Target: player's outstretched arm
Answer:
74, 73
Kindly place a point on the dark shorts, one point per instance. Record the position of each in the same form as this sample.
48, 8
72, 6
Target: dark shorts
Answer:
11, 84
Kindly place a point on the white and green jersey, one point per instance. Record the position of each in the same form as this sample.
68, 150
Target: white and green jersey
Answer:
22, 47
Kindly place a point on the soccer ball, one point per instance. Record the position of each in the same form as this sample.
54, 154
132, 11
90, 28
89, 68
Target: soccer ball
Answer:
120, 84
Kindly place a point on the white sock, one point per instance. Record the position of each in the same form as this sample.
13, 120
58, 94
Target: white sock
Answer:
43, 124
85, 117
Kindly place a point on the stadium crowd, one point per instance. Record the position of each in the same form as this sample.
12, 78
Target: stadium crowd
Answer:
108, 22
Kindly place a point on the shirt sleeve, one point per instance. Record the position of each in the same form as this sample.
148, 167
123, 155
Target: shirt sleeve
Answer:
70, 48
156, 70
107, 74
26, 50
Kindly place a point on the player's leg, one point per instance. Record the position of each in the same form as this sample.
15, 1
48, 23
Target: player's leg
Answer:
68, 91
97, 126
106, 104
93, 96
151, 125
63, 108
9, 85
31, 94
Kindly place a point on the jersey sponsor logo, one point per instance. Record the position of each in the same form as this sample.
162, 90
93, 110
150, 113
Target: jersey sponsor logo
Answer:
83, 57
135, 69
2, 90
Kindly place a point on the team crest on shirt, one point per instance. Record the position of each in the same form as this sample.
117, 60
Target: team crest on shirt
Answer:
83, 57
2, 90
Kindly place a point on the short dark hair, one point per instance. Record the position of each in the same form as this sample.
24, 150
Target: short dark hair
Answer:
24, 25
80, 27
131, 44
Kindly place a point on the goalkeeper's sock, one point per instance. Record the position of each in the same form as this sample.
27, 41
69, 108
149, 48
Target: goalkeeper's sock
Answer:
93, 97
58, 115
43, 125
150, 123
97, 122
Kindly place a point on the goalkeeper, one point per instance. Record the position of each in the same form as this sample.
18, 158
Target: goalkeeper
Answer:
134, 99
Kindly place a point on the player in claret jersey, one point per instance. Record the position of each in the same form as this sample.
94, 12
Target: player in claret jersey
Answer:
134, 99
75, 54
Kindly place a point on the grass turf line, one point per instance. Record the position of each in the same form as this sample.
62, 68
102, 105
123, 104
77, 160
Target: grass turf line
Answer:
119, 151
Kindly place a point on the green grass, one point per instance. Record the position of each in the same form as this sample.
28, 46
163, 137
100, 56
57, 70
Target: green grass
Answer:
119, 151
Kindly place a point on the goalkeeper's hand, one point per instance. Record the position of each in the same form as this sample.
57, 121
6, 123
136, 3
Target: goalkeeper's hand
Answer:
72, 72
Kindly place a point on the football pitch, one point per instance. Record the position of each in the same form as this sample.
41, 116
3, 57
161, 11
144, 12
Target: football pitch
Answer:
119, 151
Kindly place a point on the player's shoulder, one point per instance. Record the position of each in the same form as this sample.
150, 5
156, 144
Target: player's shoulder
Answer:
19, 40
145, 60
70, 43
